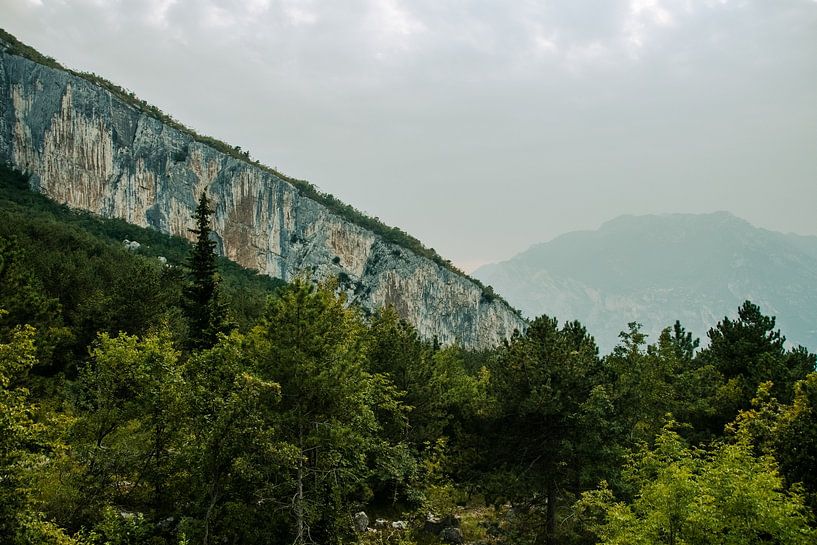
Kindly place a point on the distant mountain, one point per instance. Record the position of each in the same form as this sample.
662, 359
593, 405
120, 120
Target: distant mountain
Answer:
660, 268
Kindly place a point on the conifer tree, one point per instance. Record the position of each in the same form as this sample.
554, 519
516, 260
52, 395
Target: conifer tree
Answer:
25, 300
747, 352
314, 347
206, 315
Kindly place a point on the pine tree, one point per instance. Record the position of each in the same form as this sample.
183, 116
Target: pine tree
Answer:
314, 347
206, 315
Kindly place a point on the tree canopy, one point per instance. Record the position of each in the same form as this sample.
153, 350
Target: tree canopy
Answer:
144, 402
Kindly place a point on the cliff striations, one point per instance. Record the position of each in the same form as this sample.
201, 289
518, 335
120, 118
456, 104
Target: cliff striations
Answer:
87, 147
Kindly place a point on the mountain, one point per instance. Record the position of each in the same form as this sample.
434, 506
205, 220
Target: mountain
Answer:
660, 268
92, 145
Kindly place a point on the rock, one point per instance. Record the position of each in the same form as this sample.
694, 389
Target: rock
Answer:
361, 521
88, 148
434, 524
131, 245
451, 535
399, 525
381, 523
166, 524
162, 259
493, 529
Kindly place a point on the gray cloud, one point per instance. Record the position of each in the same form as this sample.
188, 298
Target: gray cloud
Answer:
481, 127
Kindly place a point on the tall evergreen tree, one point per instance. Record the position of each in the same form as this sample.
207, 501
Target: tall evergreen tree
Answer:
25, 300
549, 426
206, 314
749, 351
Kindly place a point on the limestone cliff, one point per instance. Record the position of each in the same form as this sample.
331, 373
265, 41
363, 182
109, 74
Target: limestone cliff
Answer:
87, 147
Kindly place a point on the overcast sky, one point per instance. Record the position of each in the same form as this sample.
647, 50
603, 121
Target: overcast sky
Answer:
481, 127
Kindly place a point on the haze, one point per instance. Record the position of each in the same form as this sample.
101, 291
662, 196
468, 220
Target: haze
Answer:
481, 127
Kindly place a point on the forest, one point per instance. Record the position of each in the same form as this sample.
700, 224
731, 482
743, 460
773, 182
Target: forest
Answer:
161, 395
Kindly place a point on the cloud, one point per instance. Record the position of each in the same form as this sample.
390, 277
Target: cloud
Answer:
156, 12
481, 127
299, 14
645, 15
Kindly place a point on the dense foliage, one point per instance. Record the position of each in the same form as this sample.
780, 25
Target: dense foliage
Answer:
194, 402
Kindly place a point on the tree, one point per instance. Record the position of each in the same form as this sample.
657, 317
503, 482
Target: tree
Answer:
129, 399
550, 413
682, 341
726, 496
23, 443
237, 463
747, 352
796, 438
789, 432
25, 301
314, 347
444, 400
206, 315
654, 381
17, 429
436, 384
642, 384
157, 435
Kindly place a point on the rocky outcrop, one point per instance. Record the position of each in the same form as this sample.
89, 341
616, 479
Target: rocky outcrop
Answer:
86, 147
361, 521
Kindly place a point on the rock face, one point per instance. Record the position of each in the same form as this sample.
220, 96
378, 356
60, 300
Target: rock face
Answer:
361, 521
451, 535
85, 147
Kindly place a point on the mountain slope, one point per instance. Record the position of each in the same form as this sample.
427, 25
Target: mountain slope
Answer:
93, 146
656, 269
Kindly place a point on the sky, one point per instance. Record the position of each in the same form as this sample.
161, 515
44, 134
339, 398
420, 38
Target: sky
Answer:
480, 127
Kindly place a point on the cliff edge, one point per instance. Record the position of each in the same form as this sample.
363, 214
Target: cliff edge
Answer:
89, 147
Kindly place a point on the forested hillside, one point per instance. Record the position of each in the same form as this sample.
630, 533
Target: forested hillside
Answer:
194, 402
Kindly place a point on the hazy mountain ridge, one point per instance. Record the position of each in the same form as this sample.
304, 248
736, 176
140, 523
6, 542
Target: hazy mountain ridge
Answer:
659, 268
87, 146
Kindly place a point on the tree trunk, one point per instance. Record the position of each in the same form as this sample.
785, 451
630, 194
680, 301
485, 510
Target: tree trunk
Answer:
550, 529
299, 497
213, 500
